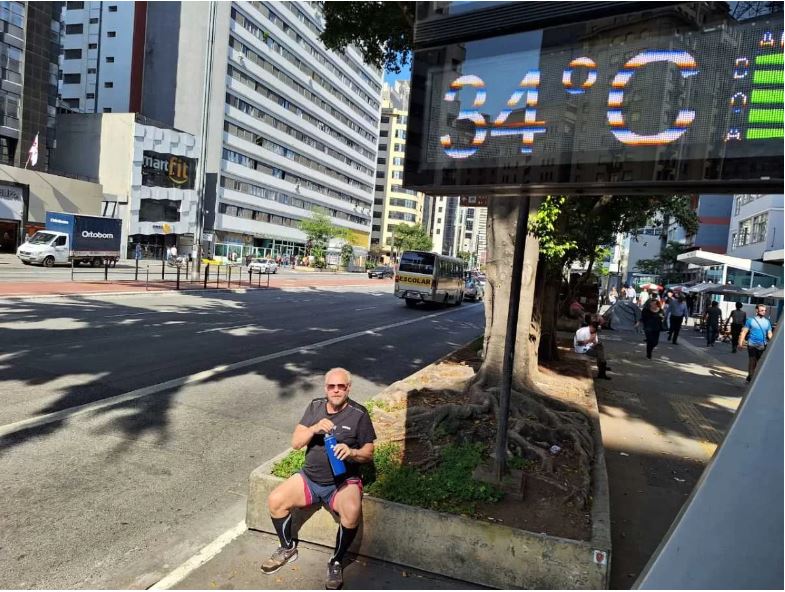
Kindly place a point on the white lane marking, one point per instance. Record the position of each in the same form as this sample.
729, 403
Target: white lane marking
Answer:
34, 422
206, 554
366, 308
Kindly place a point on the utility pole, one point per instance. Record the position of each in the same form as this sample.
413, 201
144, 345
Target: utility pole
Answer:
201, 166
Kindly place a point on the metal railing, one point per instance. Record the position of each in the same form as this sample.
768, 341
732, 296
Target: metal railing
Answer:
179, 276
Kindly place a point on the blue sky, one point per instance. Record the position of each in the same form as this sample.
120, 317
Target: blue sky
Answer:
405, 74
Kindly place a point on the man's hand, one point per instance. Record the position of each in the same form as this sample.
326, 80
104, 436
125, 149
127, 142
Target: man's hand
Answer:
342, 451
742, 344
323, 426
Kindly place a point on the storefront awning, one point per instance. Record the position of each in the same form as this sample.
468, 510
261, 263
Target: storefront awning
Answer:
708, 259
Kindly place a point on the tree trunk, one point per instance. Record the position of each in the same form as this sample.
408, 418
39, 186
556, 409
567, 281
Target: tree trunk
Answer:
550, 314
502, 216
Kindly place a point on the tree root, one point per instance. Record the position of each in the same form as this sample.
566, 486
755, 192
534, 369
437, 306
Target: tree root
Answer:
535, 424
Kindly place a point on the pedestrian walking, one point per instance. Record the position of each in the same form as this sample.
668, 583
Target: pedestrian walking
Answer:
678, 312
651, 319
737, 320
759, 330
712, 319
666, 299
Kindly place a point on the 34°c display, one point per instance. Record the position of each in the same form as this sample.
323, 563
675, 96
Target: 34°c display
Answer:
613, 102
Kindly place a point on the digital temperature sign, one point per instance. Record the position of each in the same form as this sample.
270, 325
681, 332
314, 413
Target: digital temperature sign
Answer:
680, 98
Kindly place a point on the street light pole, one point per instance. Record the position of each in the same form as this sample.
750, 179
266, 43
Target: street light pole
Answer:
201, 166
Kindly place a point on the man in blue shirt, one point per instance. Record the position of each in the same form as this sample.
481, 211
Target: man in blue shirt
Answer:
759, 330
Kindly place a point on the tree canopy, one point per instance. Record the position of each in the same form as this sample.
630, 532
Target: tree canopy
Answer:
382, 31
318, 231
411, 237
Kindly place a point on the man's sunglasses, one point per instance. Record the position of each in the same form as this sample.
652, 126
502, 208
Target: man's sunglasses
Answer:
340, 387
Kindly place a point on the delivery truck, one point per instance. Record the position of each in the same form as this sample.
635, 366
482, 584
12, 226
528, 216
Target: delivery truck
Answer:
73, 238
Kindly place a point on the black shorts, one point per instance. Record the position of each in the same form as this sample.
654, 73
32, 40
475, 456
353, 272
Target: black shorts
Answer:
755, 351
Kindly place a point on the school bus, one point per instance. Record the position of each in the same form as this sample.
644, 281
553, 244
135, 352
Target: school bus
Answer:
429, 277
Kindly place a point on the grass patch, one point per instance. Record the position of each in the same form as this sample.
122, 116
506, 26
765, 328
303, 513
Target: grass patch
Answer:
448, 488
290, 464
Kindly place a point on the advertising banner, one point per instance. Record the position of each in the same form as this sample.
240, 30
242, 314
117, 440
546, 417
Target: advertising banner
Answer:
168, 170
12, 203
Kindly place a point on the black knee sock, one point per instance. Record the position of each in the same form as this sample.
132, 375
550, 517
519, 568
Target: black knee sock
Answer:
283, 528
343, 541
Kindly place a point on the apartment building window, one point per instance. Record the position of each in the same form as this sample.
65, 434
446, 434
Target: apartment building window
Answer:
90, 95
111, 33
759, 224
381, 160
92, 46
383, 133
72, 54
107, 109
380, 174
113, 9
110, 59
94, 21
74, 5
398, 147
108, 84
72, 78
92, 71
744, 199
398, 161
379, 188
72, 103
385, 119
400, 134
74, 29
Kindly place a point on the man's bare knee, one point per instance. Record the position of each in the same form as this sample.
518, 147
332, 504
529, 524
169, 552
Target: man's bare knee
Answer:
350, 513
278, 502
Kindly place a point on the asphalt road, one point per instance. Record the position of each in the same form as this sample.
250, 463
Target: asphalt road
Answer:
114, 496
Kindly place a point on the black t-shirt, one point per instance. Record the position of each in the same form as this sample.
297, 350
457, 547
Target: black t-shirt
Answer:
353, 427
652, 321
738, 317
714, 315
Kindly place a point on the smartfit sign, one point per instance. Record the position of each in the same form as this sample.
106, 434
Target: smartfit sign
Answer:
168, 170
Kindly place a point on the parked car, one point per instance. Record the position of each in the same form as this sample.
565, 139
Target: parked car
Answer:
381, 272
263, 266
473, 290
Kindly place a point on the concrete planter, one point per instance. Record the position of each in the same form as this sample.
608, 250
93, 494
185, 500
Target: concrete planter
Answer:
475, 551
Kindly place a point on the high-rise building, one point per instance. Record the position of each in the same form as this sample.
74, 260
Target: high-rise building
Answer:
289, 127
29, 46
393, 205
103, 54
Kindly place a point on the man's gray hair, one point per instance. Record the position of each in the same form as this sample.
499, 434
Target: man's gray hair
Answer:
344, 370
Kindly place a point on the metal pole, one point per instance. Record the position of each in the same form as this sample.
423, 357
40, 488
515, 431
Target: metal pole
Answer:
206, 274
163, 270
147, 281
521, 231
217, 275
178, 278
201, 165
229, 281
106, 270
268, 279
136, 271
72, 269
249, 277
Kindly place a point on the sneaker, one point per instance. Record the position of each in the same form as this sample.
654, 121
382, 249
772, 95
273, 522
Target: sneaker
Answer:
277, 560
334, 579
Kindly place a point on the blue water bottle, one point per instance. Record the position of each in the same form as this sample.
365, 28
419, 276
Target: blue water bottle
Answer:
335, 463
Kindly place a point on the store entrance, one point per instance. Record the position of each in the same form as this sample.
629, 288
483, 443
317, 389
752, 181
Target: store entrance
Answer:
9, 231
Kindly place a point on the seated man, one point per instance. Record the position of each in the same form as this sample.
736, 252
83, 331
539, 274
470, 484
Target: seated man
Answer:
350, 423
587, 342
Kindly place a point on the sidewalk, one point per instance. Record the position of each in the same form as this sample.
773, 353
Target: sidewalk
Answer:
662, 420
236, 567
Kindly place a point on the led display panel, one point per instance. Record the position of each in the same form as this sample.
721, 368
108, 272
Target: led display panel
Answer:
685, 97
